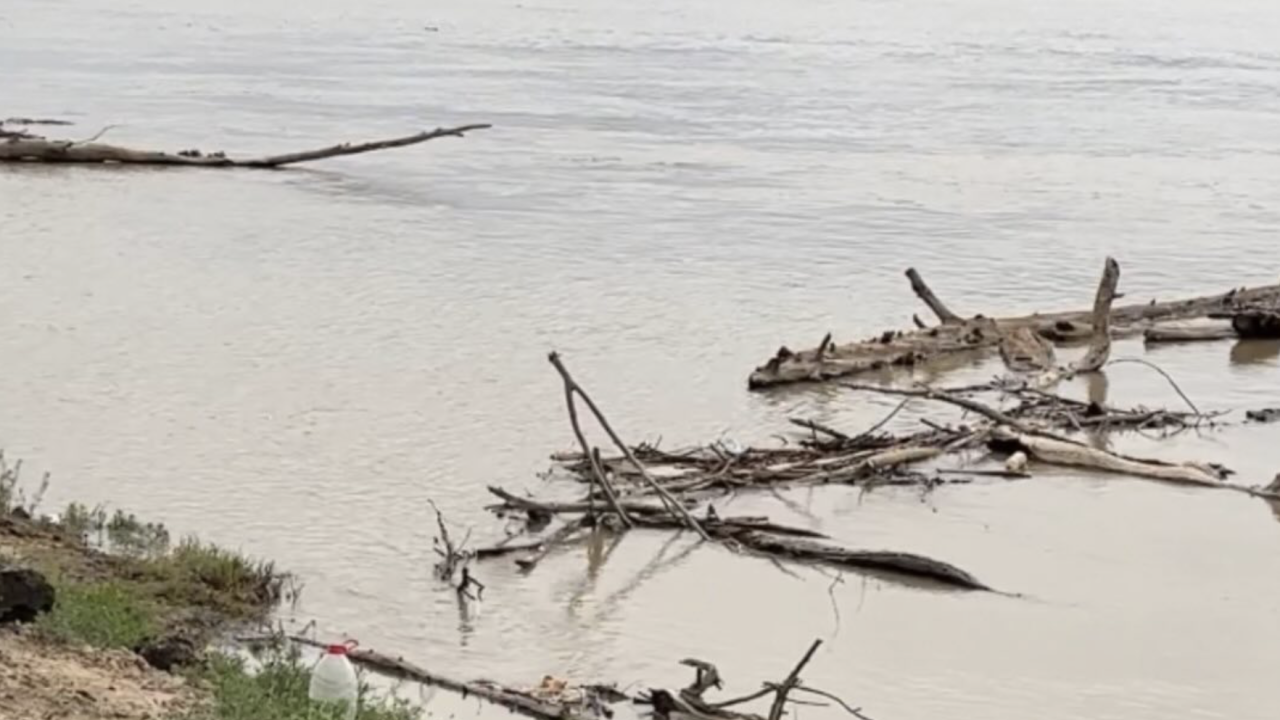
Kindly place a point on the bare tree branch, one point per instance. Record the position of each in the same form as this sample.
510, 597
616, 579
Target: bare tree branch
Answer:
780, 701
922, 290
571, 386
35, 149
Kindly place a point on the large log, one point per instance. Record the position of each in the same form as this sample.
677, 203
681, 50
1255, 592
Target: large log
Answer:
399, 668
900, 563
38, 149
981, 334
1056, 452
1189, 332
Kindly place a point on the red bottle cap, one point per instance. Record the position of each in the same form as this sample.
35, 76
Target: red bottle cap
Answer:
342, 649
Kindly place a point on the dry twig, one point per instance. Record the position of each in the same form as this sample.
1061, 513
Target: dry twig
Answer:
1166, 375
780, 701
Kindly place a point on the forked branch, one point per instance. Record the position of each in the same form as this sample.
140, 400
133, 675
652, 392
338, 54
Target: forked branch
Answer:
572, 388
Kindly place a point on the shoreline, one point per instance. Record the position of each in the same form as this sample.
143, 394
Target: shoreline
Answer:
134, 621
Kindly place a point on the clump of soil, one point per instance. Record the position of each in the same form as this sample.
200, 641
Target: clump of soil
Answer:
41, 679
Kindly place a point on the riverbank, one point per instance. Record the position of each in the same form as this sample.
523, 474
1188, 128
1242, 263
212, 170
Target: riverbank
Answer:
133, 618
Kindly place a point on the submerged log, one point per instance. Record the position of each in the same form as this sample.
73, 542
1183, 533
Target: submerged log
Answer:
38, 149
909, 564
981, 334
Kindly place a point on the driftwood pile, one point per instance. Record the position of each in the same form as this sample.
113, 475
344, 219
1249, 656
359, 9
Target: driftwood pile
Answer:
18, 144
616, 481
1239, 313
1017, 418
1007, 429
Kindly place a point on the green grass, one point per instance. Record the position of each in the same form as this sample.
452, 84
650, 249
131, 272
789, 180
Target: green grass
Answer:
108, 614
196, 573
123, 613
132, 537
277, 691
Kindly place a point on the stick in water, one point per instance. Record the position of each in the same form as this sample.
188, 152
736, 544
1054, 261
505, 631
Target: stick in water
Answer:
572, 387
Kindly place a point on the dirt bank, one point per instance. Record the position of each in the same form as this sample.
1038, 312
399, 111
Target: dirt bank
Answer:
44, 679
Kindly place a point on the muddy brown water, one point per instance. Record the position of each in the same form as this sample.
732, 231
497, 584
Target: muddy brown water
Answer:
294, 362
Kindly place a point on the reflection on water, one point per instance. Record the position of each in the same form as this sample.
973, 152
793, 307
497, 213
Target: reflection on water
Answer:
1098, 385
296, 362
1250, 352
600, 546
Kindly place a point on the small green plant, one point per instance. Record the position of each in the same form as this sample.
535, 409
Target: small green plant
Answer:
104, 614
130, 536
208, 574
12, 496
81, 522
8, 483
277, 690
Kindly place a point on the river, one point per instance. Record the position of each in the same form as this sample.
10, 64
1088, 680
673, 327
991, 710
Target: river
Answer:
295, 363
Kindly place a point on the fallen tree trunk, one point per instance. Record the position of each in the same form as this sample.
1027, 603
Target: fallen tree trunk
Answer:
909, 348
399, 668
909, 564
37, 149
1057, 452
558, 699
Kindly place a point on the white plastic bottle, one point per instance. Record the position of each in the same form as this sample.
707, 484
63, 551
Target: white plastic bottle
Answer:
333, 679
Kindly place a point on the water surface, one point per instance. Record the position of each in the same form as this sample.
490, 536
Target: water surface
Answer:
296, 362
